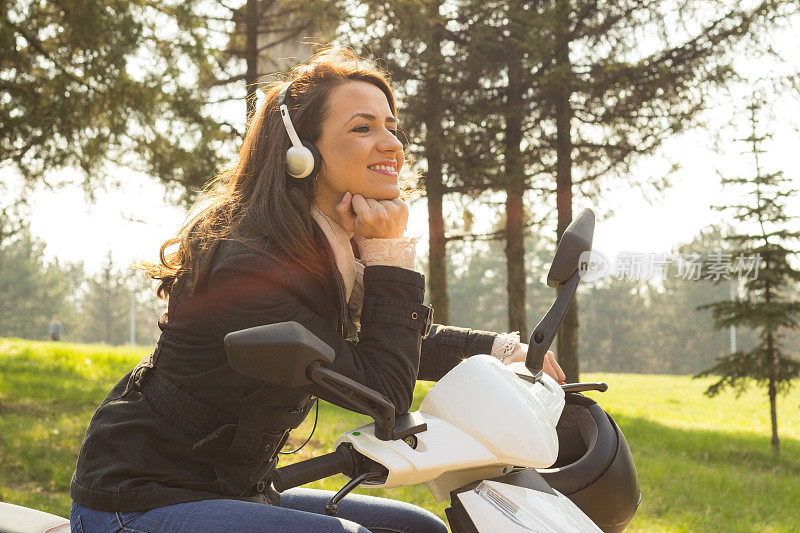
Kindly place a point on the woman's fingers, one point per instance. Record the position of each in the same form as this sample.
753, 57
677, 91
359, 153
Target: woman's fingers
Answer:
401, 209
360, 205
379, 218
549, 364
548, 368
345, 211
552, 368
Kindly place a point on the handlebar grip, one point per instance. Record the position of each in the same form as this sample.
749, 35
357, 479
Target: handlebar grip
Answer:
336, 462
583, 387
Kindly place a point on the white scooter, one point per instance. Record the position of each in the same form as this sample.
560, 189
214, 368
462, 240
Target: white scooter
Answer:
479, 435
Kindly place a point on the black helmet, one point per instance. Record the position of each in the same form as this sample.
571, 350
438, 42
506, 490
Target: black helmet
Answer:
594, 467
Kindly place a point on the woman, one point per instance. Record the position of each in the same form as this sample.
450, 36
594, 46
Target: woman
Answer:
183, 442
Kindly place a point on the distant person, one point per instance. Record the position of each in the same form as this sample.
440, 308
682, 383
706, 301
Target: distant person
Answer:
54, 330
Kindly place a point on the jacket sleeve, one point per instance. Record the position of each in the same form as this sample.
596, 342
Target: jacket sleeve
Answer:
446, 346
250, 291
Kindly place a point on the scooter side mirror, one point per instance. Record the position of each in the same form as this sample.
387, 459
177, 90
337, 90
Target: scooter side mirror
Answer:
577, 239
564, 273
277, 353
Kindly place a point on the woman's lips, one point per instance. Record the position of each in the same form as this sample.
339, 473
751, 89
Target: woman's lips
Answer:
393, 174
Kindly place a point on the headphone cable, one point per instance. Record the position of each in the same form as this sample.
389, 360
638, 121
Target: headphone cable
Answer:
316, 416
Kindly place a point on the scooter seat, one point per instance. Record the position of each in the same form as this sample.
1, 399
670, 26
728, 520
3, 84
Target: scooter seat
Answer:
18, 519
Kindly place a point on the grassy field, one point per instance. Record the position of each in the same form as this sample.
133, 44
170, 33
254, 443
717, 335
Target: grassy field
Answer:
704, 464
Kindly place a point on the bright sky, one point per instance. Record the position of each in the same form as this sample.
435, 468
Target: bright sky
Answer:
133, 220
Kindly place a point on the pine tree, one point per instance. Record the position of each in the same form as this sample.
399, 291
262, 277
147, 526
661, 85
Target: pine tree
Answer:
613, 80
550, 96
105, 307
32, 289
770, 305
86, 84
261, 37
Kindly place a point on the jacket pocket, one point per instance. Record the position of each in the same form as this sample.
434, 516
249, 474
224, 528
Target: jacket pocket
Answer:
239, 443
240, 463
241, 479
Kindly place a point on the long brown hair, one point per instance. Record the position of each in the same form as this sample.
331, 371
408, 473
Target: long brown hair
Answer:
254, 198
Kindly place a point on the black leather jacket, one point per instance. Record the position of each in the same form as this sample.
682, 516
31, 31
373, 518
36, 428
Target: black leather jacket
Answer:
184, 426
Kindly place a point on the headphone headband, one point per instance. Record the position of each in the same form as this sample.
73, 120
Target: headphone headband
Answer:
303, 160
287, 121
282, 94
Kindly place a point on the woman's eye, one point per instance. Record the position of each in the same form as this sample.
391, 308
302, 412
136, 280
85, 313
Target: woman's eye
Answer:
365, 129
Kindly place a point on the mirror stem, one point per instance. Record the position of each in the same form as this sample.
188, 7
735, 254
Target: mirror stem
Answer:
545, 332
356, 397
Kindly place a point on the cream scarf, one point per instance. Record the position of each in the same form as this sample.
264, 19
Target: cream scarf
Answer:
350, 268
352, 272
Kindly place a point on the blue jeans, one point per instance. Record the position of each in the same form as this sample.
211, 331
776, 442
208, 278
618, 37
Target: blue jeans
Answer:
301, 511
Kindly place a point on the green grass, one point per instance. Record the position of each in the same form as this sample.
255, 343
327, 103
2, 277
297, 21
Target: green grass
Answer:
705, 464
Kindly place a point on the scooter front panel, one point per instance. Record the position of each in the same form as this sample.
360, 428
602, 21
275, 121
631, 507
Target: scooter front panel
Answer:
493, 506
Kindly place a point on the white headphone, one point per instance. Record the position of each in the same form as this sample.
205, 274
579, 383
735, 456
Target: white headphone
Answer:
303, 159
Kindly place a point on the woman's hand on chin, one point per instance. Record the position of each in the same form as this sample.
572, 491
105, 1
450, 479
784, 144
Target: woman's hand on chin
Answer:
372, 219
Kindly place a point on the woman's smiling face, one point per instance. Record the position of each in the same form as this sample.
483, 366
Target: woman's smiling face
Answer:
359, 146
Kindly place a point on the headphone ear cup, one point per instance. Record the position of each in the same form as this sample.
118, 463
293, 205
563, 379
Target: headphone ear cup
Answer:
299, 162
303, 163
317, 156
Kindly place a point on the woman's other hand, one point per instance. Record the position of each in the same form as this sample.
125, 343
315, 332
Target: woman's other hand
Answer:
372, 219
550, 365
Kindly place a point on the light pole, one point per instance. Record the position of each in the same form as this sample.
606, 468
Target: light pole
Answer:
734, 296
133, 309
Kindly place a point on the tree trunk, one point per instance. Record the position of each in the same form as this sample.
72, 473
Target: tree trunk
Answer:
437, 259
771, 359
568, 333
773, 412
251, 54
773, 415
434, 187
2, 237
515, 259
107, 325
515, 176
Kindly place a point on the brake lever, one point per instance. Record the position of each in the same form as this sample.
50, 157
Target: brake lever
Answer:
332, 507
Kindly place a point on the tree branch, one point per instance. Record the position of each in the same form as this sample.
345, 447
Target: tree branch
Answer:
229, 8
286, 38
477, 236
232, 79
36, 44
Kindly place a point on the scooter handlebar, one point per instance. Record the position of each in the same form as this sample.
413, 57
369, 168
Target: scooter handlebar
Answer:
294, 475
